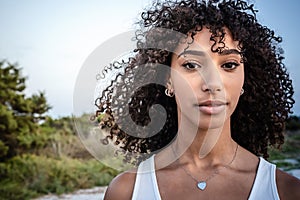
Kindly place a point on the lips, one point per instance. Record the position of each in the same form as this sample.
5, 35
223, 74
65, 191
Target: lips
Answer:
212, 107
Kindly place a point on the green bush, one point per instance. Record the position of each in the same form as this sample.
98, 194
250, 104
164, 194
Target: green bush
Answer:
289, 150
28, 176
293, 123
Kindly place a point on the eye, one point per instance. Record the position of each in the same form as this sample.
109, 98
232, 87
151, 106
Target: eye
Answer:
191, 65
229, 66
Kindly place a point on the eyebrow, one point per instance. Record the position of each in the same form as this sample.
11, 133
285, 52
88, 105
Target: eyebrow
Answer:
201, 53
230, 51
192, 52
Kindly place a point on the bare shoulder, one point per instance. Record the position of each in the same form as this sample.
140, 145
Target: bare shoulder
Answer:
288, 186
121, 187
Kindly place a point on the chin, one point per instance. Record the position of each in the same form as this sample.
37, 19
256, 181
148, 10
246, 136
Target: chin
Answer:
211, 125
206, 122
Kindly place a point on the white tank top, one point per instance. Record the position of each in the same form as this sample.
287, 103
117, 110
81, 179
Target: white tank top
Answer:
146, 187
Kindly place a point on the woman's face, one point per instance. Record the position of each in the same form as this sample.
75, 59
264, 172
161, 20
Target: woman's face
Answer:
207, 85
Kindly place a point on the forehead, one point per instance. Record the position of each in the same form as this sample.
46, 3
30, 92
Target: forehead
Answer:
204, 41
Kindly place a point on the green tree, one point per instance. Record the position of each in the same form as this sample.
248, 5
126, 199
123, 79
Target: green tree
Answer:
293, 123
19, 115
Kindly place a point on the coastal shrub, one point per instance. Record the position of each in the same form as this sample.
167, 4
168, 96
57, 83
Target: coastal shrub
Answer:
27, 176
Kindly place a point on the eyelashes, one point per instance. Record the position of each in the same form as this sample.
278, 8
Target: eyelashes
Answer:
191, 65
227, 66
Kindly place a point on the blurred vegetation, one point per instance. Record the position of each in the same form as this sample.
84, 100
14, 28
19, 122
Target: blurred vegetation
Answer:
293, 123
28, 175
288, 157
40, 155
19, 115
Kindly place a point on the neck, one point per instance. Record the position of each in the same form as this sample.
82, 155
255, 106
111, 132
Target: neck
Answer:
203, 148
207, 147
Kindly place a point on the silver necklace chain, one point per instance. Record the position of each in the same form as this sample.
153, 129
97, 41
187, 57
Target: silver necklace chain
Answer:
202, 184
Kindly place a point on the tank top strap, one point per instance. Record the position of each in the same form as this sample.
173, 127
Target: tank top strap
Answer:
264, 186
145, 186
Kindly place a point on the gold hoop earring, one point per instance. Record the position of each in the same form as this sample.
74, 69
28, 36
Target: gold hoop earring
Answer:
169, 93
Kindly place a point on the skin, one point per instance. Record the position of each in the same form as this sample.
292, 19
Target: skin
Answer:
204, 142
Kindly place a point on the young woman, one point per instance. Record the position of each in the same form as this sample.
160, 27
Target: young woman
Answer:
226, 97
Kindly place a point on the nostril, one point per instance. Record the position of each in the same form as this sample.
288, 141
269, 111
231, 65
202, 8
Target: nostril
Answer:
211, 89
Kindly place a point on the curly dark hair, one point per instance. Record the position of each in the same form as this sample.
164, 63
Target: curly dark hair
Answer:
259, 118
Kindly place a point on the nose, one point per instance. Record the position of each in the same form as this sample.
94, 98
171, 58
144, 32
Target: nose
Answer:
212, 81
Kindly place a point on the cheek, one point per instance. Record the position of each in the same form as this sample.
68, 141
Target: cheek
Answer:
185, 92
234, 81
183, 88
185, 84
233, 87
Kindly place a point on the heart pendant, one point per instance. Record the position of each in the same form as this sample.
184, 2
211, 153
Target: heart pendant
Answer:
201, 185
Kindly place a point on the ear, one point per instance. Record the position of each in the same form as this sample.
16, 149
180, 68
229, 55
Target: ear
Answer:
169, 84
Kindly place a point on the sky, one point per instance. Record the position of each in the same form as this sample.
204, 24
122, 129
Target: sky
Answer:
51, 39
